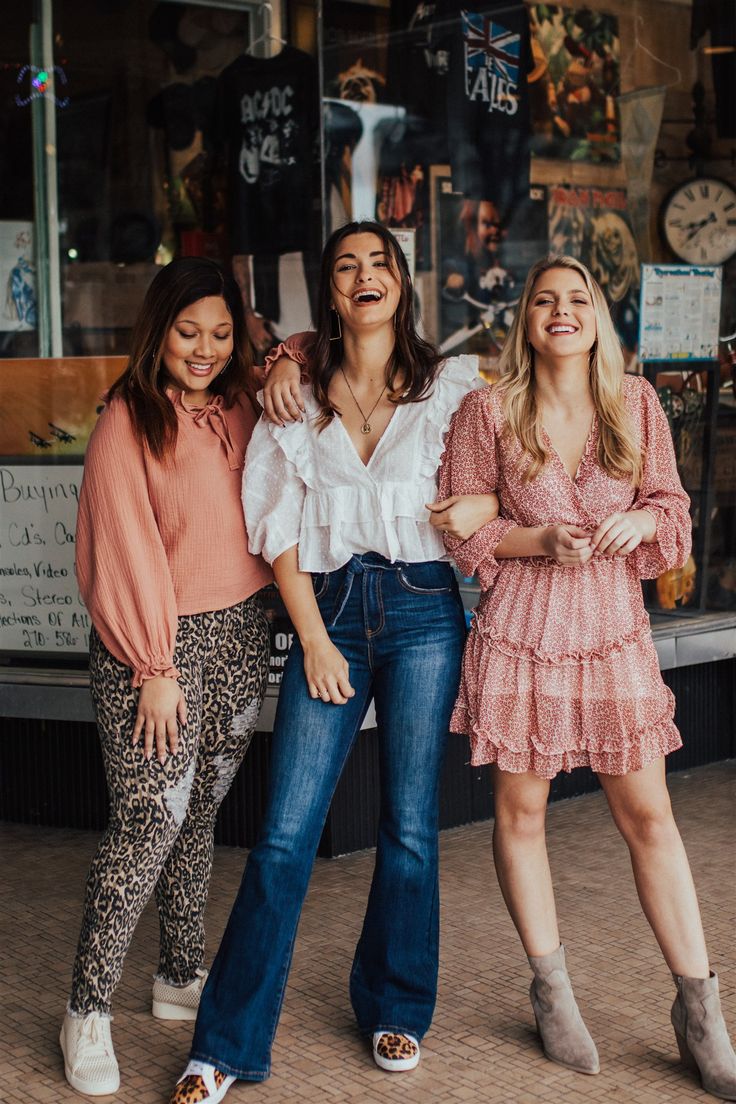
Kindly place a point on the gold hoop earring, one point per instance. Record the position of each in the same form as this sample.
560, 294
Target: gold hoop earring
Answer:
338, 336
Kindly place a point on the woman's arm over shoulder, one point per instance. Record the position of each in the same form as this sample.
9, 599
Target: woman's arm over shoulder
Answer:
298, 347
121, 564
286, 368
660, 492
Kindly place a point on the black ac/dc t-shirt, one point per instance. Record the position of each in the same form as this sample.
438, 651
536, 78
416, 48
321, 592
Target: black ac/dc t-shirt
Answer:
269, 121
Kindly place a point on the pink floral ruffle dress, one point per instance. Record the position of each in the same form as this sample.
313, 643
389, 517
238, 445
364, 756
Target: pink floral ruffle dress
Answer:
560, 670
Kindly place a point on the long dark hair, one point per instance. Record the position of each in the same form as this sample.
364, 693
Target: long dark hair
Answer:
142, 386
413, 358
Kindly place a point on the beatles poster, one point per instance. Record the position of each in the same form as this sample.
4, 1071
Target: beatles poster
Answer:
574, 84
482, 262
593, 225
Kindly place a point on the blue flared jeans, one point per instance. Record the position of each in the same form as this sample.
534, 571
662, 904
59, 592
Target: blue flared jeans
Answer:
401, 628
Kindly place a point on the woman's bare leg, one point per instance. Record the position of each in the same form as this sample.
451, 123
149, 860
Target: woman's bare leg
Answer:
640, 805
520, 854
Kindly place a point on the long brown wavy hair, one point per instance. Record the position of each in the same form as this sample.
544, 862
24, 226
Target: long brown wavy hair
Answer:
413, 359
142, 386
619, 451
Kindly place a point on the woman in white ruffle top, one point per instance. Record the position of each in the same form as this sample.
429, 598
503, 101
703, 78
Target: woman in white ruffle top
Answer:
340, 503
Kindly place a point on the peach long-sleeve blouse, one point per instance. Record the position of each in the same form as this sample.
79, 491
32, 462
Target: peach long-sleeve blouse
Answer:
159, 540
560, 669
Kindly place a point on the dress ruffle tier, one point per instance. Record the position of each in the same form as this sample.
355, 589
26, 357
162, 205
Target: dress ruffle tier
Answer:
609, 711
572, 677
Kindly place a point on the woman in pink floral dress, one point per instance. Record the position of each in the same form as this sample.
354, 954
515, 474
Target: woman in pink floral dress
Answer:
560, 669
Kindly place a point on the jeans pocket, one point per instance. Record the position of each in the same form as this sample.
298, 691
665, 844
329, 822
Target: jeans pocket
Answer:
320, 582
430, 577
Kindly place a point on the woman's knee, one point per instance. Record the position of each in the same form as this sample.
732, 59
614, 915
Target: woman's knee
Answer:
651, 825
520, 804
520, 817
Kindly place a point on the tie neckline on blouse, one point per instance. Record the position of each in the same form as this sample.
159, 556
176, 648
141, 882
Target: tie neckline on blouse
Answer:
212, 416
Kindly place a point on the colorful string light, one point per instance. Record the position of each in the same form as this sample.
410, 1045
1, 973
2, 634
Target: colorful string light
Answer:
41, 83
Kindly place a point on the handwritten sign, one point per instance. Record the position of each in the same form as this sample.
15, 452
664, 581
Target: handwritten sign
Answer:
40, 606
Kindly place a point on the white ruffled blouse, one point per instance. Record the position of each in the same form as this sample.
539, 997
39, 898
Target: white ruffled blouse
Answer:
309, 488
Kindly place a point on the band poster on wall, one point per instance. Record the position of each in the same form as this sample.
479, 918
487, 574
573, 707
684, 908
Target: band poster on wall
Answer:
574, 84
593, 225
482, 259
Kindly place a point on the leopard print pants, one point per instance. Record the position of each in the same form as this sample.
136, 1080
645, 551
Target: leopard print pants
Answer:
160, 832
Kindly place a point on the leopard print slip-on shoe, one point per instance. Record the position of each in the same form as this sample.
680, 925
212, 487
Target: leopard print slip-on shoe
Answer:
395, 1052
201, 1083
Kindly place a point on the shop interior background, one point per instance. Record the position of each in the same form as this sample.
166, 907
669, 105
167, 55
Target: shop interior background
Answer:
120, 152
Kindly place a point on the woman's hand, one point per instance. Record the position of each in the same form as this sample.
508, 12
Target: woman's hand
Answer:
282, 393
620, 534
160, 703
327, 672
461, 516
567, 544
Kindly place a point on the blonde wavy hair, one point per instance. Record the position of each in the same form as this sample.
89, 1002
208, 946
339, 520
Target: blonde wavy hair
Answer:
619, 451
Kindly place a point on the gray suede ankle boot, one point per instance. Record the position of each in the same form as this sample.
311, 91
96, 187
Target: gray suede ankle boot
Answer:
565, 1038
701, 1034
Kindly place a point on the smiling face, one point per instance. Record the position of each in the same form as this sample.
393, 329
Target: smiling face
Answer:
365, 290
198, 347
560, 317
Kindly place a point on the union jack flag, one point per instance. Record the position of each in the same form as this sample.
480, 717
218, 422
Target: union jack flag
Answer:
489, 44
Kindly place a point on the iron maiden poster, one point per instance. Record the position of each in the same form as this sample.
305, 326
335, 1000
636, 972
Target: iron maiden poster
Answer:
593, 225
574, 84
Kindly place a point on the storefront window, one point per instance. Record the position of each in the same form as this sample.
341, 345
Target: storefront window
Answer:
484, 134
489, 133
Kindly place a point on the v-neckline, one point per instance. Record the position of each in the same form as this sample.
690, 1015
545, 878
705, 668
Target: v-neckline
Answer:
583, 455
367, 463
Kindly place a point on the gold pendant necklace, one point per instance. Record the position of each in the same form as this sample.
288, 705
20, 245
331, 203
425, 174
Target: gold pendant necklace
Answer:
366, 426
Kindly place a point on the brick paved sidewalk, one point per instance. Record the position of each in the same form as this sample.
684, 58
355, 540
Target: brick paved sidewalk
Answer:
482, 1045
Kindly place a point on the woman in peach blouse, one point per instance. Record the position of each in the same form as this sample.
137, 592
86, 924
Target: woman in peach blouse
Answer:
179, 650
560, 670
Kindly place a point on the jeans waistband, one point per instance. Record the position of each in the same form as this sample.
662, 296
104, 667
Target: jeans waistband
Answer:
358, 563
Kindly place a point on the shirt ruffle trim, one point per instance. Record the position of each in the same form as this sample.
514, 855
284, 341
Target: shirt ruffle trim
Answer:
285, 349
158, 669
294, 441
653, 559
453, 382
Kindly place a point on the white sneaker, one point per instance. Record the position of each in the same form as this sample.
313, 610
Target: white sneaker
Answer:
177, 1002
90, 1065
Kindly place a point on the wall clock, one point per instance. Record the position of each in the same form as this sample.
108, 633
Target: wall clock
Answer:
698, 221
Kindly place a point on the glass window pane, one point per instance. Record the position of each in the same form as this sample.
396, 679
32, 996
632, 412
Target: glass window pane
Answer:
18, 299
139, 180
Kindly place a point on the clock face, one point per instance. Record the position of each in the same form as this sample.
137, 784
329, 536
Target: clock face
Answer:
699, 221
